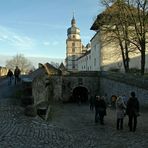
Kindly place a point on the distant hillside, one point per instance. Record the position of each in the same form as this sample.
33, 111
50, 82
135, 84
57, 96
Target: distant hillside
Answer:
33, 60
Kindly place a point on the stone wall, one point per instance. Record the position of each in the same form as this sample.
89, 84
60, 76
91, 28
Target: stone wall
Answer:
56, 88
40, 91
111, 86
88, 80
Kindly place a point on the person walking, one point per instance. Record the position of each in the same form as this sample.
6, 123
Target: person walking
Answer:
100, 108
96, 108
10, 75
91, 102
132, 111
17, 72
120, 110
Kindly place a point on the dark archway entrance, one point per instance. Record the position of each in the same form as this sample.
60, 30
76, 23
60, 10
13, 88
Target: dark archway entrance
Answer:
80, 94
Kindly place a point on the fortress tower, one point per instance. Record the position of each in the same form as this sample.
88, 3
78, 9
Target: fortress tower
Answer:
74, 47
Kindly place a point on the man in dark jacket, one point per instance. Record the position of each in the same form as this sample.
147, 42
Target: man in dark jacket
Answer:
132, 111
10, 75
100, 108
17, 74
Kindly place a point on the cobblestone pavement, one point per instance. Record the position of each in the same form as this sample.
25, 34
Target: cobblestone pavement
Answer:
71, 126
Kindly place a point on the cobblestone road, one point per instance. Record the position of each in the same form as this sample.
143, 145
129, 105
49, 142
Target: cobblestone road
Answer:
71, 126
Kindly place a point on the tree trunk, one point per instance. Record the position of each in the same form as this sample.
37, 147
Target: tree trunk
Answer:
142, 62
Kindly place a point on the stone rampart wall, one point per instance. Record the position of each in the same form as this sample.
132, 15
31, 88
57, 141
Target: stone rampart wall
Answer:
114, 85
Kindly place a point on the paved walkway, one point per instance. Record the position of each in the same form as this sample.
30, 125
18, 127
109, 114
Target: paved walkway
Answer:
71, 126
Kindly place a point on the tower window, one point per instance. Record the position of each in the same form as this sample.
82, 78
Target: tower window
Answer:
73, 49
73, 36
73, 44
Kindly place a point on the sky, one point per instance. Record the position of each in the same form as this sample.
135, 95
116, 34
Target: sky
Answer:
38, 28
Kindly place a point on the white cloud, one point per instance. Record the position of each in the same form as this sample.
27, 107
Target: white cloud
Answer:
48, 25
46, 43
22, 42
16, 40
5, 37
51, 43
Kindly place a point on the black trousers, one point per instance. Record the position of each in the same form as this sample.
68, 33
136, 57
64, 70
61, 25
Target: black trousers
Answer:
96, 115
91, 106
16, 79
119, 123
101, 114
132, 122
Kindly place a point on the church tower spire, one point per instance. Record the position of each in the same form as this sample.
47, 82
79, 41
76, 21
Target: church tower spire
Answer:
73, 21
73, 46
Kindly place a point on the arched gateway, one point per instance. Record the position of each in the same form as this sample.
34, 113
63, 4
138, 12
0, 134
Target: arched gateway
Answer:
79, 94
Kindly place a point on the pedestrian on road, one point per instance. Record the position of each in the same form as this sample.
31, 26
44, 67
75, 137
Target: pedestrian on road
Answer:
96, 108
113, 101
100, 108
120, 110
17, 72
10, 76
132, 111
91, 102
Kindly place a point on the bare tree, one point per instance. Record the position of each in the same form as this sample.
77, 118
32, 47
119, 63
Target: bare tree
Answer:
19, 60
140, 23
115, 20
130, 27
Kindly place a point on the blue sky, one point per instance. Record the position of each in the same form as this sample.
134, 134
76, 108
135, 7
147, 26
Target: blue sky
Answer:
38, 28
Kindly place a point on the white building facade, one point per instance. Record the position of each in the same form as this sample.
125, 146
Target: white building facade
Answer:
106, 53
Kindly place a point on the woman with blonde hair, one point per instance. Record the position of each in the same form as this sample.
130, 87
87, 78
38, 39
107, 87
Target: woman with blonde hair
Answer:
120, 109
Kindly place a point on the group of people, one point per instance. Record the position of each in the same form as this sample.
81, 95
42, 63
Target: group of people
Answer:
16, 75
129, 107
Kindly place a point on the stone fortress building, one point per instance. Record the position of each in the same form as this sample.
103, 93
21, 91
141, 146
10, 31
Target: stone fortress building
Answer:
98, 55
81, 78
